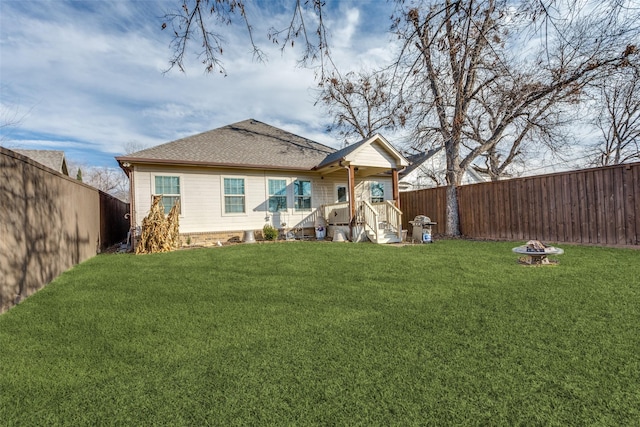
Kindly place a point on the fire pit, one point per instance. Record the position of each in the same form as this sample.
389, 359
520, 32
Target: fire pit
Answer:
536, 253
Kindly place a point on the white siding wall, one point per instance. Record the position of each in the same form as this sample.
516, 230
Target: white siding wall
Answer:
202, 198
373, 155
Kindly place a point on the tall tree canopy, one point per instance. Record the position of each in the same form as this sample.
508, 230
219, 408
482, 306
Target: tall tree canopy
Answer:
479, 77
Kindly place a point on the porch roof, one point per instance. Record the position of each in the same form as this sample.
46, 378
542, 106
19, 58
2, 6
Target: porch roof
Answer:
371, 155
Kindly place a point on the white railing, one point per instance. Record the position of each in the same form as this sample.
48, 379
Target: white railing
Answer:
390, 216
370, 219
394, 218
383, 216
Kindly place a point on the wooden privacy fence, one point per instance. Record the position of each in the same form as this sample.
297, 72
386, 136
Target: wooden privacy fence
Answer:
114, 223
596, 206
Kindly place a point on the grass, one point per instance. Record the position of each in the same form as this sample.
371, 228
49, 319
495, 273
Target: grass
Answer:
454, 333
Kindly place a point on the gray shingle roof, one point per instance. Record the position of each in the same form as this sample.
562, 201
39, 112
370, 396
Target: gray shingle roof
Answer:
249, 143
53, 159
416, 160
341, 154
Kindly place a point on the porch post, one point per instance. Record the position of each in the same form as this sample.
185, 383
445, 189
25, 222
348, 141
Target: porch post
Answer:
352, 195
396, 187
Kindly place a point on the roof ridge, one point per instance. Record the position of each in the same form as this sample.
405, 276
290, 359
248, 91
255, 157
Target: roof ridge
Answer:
243, 143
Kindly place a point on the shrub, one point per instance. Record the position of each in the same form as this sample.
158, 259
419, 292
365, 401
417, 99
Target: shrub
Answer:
269, 232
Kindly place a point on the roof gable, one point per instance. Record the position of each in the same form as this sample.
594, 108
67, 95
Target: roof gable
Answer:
373, 152
249, 144
53, 159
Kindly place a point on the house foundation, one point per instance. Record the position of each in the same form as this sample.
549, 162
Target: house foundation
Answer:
212, 238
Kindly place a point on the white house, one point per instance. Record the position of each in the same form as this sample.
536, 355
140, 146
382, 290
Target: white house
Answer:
242, 176
428, 169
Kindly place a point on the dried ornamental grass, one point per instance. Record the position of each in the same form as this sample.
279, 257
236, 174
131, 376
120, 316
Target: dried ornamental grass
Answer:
159, 233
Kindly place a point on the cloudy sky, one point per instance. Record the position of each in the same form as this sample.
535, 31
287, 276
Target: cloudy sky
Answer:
87, 77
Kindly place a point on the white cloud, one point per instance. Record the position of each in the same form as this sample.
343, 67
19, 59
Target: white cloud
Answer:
90, 75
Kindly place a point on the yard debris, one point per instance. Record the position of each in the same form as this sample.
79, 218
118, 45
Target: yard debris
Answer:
159, 233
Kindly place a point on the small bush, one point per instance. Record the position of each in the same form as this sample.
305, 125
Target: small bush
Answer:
269, 232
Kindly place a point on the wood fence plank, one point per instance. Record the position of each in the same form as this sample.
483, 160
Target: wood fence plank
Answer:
567, 207
485, 211
618, 193
470, 217
494, 195
514, 224
522, 209
561, 209
602, 213
505, 209
636, 191
574, 194
629, 209
591, 206
581, 199
532, 190
554, 214
544, 209
609, 195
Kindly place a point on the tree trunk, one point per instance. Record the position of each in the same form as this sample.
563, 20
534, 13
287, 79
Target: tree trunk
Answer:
453, 215
454, 177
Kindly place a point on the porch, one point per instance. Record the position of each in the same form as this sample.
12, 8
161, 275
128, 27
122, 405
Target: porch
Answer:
378, 222
364, 210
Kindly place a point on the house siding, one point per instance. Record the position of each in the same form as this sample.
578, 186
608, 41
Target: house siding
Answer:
202, 200
373, 155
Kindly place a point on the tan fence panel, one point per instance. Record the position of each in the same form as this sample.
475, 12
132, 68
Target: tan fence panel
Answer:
48, 223
596, 206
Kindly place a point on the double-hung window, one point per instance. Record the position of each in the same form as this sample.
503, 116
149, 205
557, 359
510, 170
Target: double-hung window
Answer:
234, 201
377, 192
277, 195
302, 195
169, 188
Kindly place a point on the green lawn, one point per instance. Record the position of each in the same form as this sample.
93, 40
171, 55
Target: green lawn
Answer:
453, 333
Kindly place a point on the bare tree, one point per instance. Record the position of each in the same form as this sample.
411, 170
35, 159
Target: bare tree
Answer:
133, 146
619, 119
112, 181
198, 21
10, 119
454, 51
506, 140
361, 104
452, 54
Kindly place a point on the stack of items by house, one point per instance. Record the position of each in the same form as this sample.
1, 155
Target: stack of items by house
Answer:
159, 233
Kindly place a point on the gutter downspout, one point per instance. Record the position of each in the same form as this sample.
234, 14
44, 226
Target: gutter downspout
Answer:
132, 209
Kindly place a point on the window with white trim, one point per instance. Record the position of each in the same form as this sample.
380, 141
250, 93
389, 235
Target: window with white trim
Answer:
169, 188
302, 195
377, 192
234, 197
277, 195
343, 194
